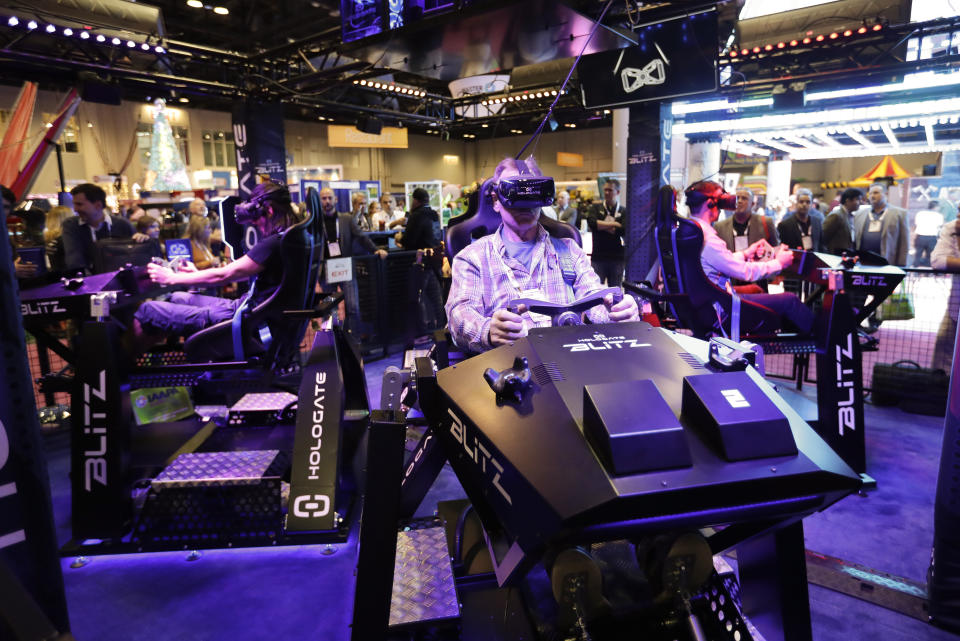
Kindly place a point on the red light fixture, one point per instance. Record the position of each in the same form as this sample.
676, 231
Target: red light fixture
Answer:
877, 27
756, 50
834, 35
744, 52
862, 30
820, 38
847, 33
806, 41
733, 54
794, 43
768, 48
781, 45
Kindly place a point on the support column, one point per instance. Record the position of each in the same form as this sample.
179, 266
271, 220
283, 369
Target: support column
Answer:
703, 160
621, 132
778, 180
648, 162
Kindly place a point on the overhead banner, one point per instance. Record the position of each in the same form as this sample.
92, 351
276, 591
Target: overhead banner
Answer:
675, 58
258, 139
347, 136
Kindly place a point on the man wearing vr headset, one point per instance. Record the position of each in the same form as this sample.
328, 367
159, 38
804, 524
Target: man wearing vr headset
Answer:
269, 210
705, 199
519, 260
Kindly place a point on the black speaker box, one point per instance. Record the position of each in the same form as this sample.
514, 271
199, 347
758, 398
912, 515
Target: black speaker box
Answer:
101, 92
370, 125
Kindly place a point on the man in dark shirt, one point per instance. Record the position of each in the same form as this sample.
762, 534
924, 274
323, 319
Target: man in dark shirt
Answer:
423, 233
838, 225
186, 313
605, 220
92, 223
801, 229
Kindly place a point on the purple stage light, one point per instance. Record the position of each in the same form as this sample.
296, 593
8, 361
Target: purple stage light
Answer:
101, 38
131, 44
145, 46
13, 21
84, 35
50, 28
68, 31
159, 49
116, 41
32, 25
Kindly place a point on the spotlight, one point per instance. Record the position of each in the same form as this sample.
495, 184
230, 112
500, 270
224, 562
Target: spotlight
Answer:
115, 41
781, 45
159, 49
184, 99
84, 35
222, 11
68, 31
733, 54
820, 38
877, 27
363, 83
484, 125
862, 30
806, 41
553, 93
356, 82
50, 28
196, 4
794, 43
131, 44
32, 25
145, 46
848, 33
101, 38
834, 35
12, 21
768, 48
744, 52
756, 50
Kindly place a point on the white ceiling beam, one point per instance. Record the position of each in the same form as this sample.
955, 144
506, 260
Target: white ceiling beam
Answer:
928, 129
860, 138
743, 148
888, 132
773, 144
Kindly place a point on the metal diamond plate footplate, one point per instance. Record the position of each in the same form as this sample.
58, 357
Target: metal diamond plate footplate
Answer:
215, 468
264, 401
423, 588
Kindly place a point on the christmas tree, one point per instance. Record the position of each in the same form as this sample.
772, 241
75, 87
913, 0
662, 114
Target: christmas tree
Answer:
166, 171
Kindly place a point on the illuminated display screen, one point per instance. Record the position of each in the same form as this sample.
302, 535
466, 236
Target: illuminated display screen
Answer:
366, 18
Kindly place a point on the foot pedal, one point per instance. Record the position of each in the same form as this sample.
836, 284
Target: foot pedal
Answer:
263, 408
423, 587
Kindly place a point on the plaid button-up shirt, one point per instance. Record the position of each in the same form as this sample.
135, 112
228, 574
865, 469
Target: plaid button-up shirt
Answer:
485, 279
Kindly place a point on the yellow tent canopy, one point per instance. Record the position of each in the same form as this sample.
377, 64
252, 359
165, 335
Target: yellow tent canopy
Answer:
886, 168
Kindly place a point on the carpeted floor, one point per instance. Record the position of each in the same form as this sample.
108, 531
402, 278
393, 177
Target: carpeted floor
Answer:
307, 592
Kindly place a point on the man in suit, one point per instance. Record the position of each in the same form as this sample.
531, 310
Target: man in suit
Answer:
92, 223
838, 226
605, 220
801, 230
882, 228
343, 230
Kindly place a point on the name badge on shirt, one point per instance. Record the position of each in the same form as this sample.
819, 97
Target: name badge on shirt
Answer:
807, 242
339, 270
334, 249
539, 320
875, 225
740, 243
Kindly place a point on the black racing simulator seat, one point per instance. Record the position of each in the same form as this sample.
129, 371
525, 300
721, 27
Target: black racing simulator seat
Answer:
700, 305
267, 331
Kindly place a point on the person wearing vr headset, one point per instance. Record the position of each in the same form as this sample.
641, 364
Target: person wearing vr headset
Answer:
705, 200
520, 260
269, 210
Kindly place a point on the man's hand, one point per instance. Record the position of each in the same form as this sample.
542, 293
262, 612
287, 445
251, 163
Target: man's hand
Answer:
140, 238
784, 256
24, 270
187, 266
161, 274
506, 327
757, 250
382, 253
625, 310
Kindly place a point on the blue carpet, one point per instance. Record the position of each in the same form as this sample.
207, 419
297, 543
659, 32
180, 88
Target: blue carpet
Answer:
301, 593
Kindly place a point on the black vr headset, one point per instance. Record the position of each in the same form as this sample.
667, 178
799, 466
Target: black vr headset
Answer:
247, 212
526, 192
707, 190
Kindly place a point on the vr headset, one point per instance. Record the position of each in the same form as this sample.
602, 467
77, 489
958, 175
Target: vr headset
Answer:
526, 192
707, 190
247, 212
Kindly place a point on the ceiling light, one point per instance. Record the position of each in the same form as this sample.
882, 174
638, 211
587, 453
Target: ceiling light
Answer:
794, 43
877, 27
32, 25
834, 35
781, 45
819, 38
131, 44
848, 33
159, 49
196, 4
116, 41
484, 125
221, 11
101, 38
13, 21
184, 99
553, 93
68, 31
145, 46
84, 35
806, 41
48, 125
768, 48
50, 28
862, 30
90, 125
